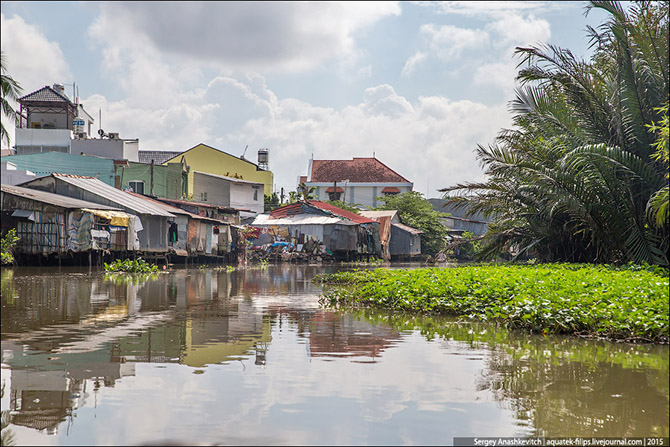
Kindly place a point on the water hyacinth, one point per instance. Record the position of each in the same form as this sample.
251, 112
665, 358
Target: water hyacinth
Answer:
614, 302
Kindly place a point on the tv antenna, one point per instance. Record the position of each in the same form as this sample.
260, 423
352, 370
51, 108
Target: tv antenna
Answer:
245, 151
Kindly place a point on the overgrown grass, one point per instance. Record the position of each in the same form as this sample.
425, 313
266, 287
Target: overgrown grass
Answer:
131, 266
616, 302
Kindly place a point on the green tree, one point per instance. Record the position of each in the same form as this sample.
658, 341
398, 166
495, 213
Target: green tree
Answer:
271, 201
573, 180
11, 90
417, 212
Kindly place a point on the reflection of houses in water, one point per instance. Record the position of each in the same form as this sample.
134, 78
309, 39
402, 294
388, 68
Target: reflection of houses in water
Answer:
334, 335
46, 388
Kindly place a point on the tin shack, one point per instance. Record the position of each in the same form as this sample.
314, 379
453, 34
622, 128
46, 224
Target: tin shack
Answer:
344, 234
151, 225
56, 228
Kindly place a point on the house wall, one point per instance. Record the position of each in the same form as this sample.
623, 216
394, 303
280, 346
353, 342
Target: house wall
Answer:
247, 196
11, 175
56, 162
115, 149
30, 141
59, 120
217, 189
153, 236
358, 193
170, 181
206, 159
404, 243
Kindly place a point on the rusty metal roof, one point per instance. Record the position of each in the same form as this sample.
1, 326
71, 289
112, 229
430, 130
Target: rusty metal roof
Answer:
303, 208
53, 199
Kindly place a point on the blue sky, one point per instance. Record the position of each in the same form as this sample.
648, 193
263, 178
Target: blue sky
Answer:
419, 84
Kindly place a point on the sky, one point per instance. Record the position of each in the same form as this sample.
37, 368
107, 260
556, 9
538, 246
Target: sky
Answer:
416, 84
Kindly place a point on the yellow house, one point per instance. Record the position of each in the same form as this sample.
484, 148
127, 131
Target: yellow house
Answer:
210, 160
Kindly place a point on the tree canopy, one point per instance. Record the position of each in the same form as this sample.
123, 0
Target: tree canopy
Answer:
417, 212
579, 178
11, 90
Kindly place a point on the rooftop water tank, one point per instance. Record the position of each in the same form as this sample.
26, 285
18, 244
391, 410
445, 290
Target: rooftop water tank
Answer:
263, 158
79, 125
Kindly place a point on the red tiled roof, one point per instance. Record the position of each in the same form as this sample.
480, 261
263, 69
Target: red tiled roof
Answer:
390, 189
46, 94
297, 208
358, 170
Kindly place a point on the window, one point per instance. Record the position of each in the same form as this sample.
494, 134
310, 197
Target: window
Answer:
256, 193
334, 195
136, 186
203, 196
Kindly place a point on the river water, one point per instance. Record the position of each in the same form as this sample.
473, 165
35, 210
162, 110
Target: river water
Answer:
208, 356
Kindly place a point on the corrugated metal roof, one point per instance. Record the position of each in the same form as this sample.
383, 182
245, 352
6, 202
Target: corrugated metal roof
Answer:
378, 214
232, 179
53, 199
406, 228
174, 209
202, 205
121, 198
298, 208
302, 219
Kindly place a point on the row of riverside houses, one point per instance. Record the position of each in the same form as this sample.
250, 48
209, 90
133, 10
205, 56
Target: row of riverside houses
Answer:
315, 228
76, 197
177, 206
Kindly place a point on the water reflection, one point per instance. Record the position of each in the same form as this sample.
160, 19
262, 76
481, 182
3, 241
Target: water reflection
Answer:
265, 354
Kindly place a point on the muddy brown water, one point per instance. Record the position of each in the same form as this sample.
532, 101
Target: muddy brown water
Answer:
207, 356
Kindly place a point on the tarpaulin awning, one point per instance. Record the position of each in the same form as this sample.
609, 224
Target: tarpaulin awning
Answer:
117, 218
390, 190
332, 189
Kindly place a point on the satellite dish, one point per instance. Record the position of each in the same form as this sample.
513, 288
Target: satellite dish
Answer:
101, 133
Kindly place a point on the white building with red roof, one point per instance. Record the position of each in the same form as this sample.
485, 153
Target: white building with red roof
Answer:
358, 181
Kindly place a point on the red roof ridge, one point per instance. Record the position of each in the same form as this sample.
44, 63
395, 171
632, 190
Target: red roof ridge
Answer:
285, 211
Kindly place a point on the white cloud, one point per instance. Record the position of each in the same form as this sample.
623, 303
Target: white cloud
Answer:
240, 35
31, 59
413, 62
449, 42
516, 30
488, 9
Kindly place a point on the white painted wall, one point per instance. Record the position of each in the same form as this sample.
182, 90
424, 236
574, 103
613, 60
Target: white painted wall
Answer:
11, 175
247, 196
43, 137
115, 149
360, 193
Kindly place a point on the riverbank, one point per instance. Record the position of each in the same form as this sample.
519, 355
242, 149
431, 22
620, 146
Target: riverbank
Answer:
622, 303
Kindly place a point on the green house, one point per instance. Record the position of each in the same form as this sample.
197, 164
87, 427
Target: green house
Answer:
169, 181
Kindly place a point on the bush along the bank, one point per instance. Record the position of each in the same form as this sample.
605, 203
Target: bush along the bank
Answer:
7, 243
621, 303
131, 266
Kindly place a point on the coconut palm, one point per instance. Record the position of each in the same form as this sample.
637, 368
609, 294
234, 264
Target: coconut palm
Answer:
11, 90
575, 177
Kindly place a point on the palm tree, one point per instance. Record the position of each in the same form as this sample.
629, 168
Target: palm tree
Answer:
11, 90
572, 182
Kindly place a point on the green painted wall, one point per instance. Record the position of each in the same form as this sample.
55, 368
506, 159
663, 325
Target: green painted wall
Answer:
170, 180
